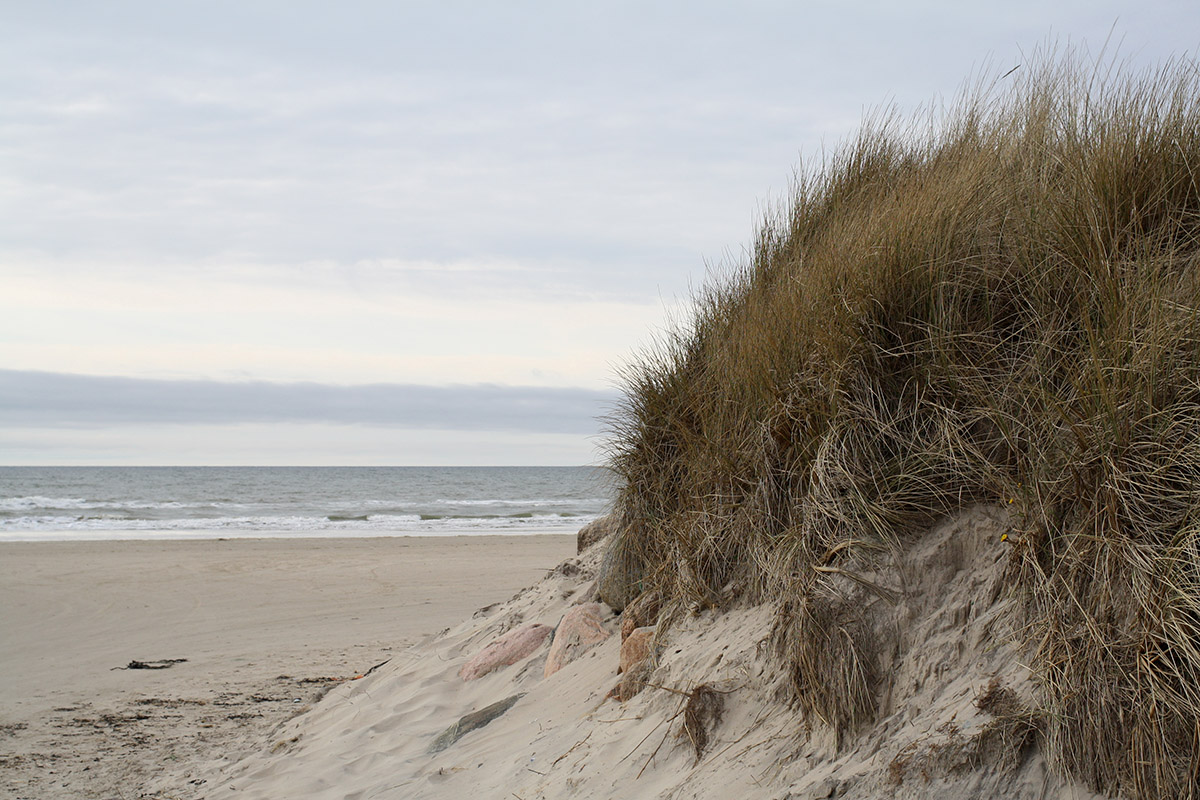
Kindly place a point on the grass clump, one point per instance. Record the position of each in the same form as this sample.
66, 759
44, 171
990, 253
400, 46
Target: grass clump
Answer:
998, 301
703, 711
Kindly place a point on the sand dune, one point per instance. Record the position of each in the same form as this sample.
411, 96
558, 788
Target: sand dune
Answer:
951, 724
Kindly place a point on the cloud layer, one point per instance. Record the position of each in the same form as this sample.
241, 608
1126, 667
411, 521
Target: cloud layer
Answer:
48, 400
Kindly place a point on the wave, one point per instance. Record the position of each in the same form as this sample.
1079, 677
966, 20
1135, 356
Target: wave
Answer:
519, 515
66, 526
35, 502
267, 501
536, 502
38, 501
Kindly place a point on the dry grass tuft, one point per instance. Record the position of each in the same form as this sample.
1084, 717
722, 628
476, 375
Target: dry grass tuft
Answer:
1014, 728
1001, 744
996, 302
999, 700
829, 645
701, 714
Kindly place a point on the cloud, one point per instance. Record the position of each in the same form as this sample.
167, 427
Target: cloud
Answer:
355, 324
391, 133
290, 443
57, 400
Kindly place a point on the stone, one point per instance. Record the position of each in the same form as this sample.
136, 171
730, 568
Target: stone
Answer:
471, 722
641, 612
581, 629
633, 681
622, 571
590, 595
595, 531
815, 791
636, 648
508, 649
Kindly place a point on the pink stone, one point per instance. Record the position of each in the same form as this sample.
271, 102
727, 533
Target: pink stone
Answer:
636, 648
508, 649
581, 629
641, 612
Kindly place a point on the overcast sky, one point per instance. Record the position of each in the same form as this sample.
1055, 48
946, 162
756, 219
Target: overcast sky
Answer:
416, 233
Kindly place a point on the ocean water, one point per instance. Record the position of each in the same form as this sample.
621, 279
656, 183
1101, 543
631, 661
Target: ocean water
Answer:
57, 503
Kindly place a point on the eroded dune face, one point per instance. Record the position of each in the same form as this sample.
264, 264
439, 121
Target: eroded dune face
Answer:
951, 715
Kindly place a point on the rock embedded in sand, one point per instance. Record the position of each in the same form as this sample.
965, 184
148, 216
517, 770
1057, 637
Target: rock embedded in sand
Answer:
508, 649
641, 612
594, 531
621, 573
815, 791
636, 663
633, 681
471, 722
581, 629
636, 648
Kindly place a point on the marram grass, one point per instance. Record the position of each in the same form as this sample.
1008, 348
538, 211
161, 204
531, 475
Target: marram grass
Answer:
996, 304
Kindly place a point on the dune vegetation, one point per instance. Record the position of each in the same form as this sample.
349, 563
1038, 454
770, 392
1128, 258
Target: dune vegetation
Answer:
995, 302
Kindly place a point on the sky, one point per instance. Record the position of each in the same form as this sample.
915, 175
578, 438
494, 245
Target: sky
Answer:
288, 232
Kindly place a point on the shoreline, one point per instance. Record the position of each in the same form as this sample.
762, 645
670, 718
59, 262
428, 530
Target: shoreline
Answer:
266, 625
97, 535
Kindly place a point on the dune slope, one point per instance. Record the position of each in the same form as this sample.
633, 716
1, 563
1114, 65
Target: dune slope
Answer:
955, 719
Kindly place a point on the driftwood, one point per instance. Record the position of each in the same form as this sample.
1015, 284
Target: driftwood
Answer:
162, 663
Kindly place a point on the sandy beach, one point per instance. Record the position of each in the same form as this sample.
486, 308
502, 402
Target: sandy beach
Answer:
394, 669
266, 626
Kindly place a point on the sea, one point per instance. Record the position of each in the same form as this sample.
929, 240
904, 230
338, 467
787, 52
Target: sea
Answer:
87, 503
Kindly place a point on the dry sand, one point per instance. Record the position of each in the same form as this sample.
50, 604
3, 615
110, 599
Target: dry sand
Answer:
943, 618
950, 637
262, 623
